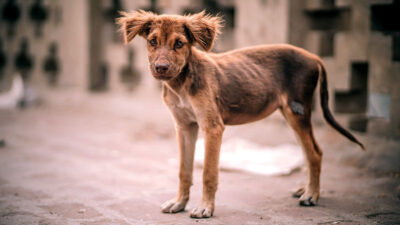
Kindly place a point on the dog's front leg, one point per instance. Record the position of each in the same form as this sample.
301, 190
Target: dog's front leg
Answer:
213, 138
187, 135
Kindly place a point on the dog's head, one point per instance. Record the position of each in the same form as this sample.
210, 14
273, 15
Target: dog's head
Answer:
170, 38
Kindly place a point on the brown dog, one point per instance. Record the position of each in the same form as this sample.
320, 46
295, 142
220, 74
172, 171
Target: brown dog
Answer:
210, 91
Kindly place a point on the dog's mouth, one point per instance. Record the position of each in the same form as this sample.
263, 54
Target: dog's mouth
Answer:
168, 75
161, 76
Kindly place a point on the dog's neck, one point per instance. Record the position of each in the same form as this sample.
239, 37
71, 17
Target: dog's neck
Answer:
179, 80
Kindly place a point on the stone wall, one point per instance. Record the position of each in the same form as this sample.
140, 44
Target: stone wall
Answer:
62, 24
358, 41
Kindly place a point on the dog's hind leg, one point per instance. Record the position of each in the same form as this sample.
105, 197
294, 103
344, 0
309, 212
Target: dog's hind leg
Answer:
187, 136
299, 117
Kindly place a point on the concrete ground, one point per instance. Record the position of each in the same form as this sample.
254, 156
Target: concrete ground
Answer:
112, 159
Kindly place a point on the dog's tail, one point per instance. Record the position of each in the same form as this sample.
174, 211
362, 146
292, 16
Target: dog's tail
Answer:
324, 96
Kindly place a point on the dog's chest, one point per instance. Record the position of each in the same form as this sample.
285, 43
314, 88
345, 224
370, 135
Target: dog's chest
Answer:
179, 105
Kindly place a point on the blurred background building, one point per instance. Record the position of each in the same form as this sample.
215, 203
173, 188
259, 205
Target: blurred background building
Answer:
56, 45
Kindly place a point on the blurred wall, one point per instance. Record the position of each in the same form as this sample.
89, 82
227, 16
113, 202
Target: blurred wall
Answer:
261, 22
73, 36
358, 41
62, 23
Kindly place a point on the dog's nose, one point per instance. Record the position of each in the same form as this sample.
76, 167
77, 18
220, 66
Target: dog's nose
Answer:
161, 67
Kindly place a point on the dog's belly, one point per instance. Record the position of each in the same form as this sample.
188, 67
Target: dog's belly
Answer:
245, 95
246, 106
233, 118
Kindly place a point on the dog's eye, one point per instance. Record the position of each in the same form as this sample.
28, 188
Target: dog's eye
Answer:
178, 44
153, 42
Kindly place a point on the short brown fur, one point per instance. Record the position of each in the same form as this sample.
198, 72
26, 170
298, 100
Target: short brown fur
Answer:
208, 91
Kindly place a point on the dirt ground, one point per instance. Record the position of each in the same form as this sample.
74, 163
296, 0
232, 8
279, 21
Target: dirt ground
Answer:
112, 159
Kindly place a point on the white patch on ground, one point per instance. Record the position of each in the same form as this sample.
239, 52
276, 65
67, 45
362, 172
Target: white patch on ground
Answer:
240, 154
10, 99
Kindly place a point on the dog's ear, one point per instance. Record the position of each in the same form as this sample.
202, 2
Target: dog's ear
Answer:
135, 23
203, 28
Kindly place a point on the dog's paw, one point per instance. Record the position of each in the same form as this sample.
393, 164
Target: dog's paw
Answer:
309, 199
173, 206
307, 202
202, 212
299, 193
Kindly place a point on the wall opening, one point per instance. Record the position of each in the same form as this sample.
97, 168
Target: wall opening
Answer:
326, 44
328, 20
396, 47
385, 18
355, 99
216, 8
